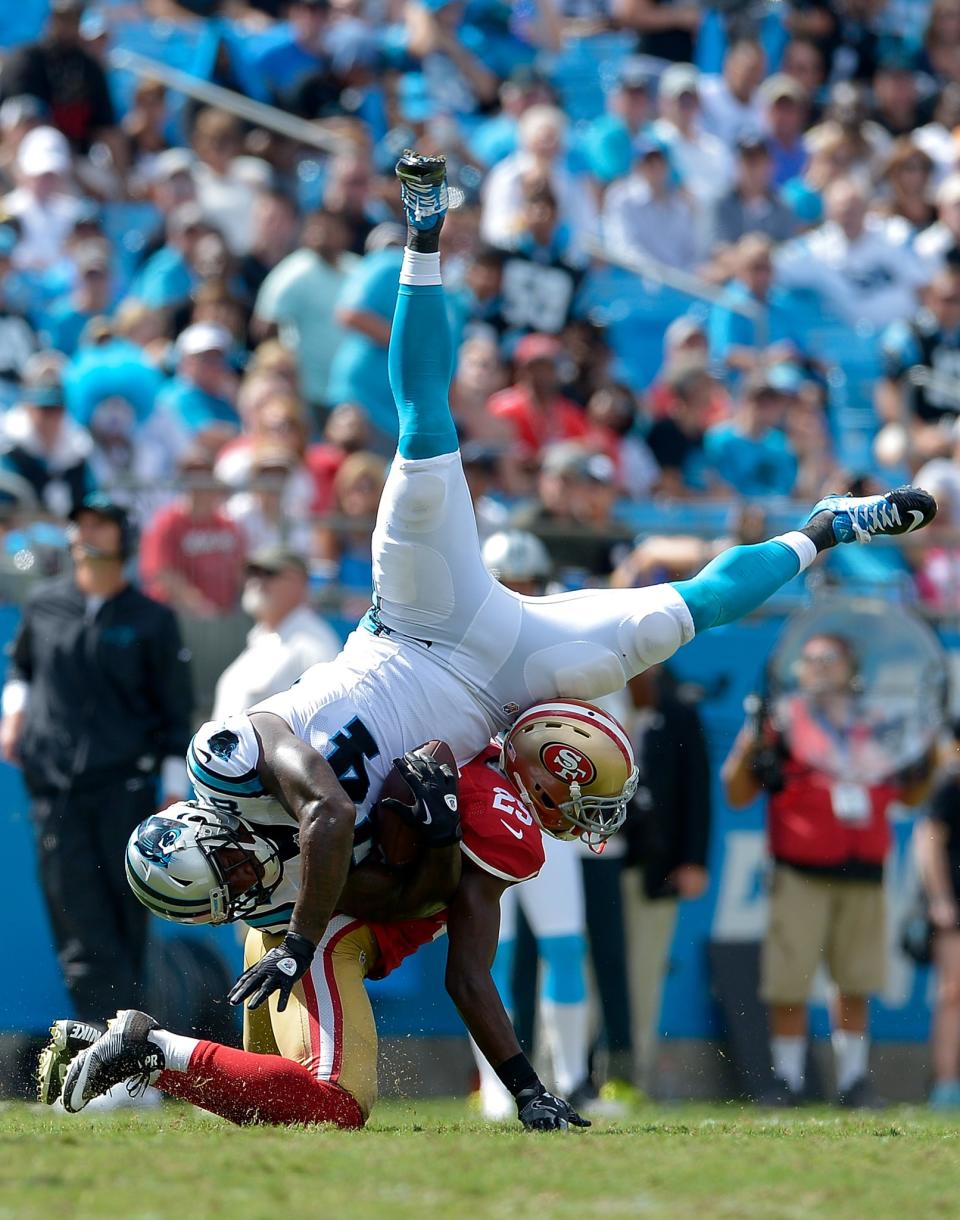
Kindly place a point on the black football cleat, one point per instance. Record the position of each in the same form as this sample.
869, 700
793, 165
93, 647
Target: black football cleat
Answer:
122, 1053
423, 189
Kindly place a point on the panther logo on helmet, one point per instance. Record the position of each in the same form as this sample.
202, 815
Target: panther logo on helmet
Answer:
193, 864
158, 840
573, 766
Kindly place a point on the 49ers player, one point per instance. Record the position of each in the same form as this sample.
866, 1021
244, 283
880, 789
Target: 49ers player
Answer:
571, 773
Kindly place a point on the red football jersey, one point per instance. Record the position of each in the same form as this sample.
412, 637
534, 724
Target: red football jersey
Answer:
499, 835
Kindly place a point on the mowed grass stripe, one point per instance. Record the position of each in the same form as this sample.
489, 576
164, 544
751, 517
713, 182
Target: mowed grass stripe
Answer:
423, 1160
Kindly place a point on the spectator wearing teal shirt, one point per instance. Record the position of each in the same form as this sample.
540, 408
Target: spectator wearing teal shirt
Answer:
607, 147
63, 323
733, 337
297, 52
365, 311
750, 453
169, 277
196, 404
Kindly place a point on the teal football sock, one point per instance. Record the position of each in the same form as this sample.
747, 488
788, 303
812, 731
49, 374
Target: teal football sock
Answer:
421, 360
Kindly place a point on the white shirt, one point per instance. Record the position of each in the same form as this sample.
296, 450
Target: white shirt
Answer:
503, 200
872, 279
273, 660
932, 246
703, 161
44, 227
227, 201
725, 115
663, 229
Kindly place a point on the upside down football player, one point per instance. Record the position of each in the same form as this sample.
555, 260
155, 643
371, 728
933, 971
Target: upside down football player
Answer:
444, 643
314, 1059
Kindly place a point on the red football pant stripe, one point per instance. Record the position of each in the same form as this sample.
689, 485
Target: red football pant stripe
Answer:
248, 1088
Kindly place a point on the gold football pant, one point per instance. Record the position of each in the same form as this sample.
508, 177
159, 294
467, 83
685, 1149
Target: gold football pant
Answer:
328, 1023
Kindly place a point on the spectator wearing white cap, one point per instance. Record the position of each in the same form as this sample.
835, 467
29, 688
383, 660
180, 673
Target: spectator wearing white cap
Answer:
196, 405
732, 104
41, 202
935, 243
647, 217
541, 133
702, 160
287, 636
786, 113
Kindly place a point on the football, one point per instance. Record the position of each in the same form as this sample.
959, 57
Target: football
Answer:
398, 844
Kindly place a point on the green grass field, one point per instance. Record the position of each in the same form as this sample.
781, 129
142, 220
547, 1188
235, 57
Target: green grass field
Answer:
424, 1160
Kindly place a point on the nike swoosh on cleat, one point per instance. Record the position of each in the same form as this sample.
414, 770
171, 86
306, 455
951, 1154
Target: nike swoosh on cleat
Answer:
917, 520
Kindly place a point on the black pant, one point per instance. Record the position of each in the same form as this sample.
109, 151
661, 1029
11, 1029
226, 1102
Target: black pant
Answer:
604, 911
99, 927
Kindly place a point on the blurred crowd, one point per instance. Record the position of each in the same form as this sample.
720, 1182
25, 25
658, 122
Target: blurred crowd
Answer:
702, 265
701, 256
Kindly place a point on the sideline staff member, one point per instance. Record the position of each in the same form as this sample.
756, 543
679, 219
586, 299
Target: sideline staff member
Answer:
97, 702
829, 837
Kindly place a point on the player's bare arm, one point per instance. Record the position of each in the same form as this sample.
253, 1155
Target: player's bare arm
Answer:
304, 783
473, 925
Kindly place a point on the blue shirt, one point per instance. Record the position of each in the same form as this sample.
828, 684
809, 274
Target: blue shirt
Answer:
62, 325
359, 370
194, 409
167, 279
726, 329
285, 64
753, 466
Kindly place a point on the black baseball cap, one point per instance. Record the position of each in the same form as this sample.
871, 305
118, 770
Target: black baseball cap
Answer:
100, 503
274, 559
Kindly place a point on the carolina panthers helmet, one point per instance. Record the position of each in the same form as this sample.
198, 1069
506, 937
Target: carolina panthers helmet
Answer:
515, 556
175, 867
574, 768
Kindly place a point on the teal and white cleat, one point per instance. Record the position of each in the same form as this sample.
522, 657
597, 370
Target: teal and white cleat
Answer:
67, 1040
423, 189
860, 518
123, 1053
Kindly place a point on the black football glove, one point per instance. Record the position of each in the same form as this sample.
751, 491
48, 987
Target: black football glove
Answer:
435, 812
539, 1110
277, 970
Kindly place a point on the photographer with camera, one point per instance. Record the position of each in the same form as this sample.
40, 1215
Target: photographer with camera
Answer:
828, 836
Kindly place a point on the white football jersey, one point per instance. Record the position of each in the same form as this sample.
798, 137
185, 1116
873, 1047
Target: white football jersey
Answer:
372, 704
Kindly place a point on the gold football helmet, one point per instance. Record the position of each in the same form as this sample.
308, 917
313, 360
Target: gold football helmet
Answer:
573, 765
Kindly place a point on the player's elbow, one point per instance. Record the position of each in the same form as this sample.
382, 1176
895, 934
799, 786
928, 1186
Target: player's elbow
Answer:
330, 816
467, 985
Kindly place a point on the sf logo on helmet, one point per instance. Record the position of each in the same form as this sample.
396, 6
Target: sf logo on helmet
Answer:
568, 763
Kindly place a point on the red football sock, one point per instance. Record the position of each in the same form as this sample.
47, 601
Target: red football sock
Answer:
249, 1088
